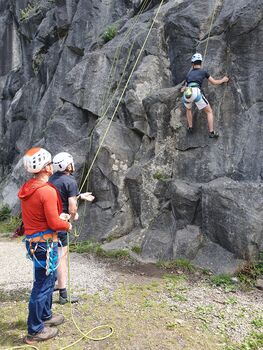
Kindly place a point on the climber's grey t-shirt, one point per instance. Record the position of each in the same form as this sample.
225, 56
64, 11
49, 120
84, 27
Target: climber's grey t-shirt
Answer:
67, 187
197, 75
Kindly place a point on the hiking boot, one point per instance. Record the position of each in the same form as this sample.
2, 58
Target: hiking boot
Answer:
55, 320
190, 130
213, 135
46, 334
63, 301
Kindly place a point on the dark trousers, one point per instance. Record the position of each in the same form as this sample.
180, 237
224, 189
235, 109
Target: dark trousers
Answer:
40, 302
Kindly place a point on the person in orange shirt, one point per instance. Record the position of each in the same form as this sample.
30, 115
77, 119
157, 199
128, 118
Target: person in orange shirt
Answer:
41, 207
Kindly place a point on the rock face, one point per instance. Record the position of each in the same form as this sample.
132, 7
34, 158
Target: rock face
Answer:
66, 84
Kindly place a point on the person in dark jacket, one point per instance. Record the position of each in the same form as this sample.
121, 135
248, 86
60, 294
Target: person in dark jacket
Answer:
67, 186
192, 90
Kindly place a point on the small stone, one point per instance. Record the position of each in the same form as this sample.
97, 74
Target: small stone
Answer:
259, 283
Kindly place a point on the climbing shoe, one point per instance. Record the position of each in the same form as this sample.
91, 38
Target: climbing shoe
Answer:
213, 135
55, 320
190, 130
46, 334
63, 301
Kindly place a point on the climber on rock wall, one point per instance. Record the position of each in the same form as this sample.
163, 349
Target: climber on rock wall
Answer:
192, 90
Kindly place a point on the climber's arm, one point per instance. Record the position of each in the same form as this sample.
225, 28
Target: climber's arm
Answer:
213, 81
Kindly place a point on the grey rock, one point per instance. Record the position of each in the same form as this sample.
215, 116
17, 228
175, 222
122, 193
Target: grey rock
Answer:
187, 243
216, 259
259, 283
159, 238
232, 216
58, 76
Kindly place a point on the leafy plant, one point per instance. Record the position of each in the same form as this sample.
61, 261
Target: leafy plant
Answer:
5, 212
109, 34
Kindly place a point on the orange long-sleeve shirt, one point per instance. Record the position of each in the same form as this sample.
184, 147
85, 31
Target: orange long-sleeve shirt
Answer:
39, 204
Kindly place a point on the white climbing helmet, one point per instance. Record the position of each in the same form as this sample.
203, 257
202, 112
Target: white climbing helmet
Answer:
62, 160
196, 57
36, 159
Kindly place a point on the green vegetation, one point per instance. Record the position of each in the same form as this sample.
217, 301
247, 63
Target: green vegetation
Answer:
95, 248
112, 237
183, 264
28, 11
8, 223
109, 34
5, 212
136, 249
158, 175
224, 281
258, 322
249, 273
139, 318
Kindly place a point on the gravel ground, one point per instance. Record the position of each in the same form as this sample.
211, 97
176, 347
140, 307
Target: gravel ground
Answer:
86, 274
232, 314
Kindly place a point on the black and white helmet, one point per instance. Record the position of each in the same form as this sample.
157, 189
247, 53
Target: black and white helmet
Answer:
62, 160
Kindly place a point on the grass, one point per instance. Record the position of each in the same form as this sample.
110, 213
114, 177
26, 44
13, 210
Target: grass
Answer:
109, 33
96, 249
140, 320
183, 264
136, 249
9, 225
224, 281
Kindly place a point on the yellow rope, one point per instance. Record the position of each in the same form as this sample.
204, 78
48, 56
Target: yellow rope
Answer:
122, 94
86, 335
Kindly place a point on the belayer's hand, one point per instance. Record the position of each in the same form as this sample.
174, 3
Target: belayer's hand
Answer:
87, 196
64, 216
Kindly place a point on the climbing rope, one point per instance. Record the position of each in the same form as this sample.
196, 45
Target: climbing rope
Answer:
116, 108
87, 335
121, 96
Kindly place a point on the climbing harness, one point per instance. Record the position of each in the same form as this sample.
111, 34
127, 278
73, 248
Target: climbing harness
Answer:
87, 335
48, 237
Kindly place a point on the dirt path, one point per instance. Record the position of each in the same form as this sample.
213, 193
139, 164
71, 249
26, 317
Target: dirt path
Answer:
148, 309
16, 270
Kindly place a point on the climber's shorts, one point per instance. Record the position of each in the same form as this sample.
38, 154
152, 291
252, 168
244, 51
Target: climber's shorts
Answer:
62, 239
197, 97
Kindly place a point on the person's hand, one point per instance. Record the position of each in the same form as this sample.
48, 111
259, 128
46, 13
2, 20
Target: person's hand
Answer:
183, 88
76, 217
70, 227
64, 216
87, 196
225, 79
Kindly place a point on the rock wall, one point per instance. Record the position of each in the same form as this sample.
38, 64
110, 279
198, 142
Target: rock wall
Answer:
175, 195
